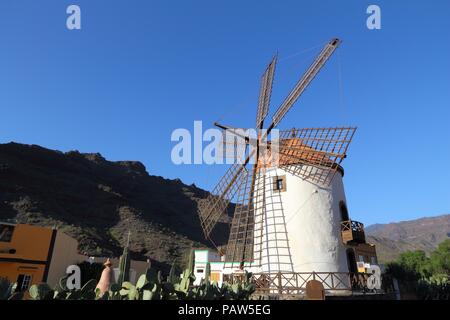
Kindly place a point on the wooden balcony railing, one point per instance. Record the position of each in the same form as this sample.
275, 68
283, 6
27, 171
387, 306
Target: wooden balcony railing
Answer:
294, 283
352, 232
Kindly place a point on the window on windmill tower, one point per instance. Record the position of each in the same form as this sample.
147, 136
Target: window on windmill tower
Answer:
279, 183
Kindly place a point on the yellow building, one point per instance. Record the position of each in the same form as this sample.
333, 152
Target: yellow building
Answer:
32, 254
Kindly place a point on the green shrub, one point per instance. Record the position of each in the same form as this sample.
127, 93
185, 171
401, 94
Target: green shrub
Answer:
428, 277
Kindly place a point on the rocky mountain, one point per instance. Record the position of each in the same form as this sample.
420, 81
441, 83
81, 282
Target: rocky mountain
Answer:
99, 201
391, 239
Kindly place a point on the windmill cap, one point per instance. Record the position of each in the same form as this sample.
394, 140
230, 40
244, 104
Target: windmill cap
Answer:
299, 151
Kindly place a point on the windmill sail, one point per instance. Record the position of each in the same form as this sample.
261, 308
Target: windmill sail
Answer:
304, 82
314, 154
240, 243
265, 93
215, 205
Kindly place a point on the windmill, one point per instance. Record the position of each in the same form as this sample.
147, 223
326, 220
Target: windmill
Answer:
304, 163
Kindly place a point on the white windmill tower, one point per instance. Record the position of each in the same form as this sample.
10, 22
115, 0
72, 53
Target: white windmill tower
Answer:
289, 205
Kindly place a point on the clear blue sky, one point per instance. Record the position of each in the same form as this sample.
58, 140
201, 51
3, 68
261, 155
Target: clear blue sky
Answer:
140, 69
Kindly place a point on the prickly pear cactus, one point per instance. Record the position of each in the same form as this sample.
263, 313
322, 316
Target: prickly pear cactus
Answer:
41, 291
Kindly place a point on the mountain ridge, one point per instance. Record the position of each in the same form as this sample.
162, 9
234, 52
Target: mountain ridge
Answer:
97, 201
393, 238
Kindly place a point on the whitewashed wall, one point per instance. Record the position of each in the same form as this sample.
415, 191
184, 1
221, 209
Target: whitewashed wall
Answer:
312, 218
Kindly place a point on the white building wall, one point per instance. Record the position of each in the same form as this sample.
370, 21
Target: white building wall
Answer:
201, 259
312, 219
